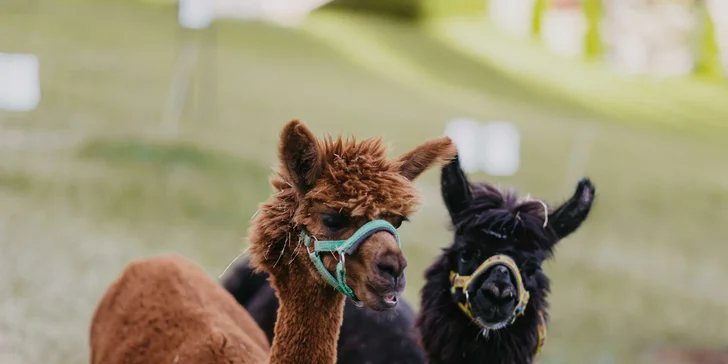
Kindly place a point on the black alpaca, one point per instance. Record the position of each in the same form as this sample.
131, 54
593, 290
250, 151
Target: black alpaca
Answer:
488, 223
366, 336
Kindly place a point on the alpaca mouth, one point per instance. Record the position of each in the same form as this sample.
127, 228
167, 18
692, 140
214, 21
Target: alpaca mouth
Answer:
387, 301
490, 326
390, 299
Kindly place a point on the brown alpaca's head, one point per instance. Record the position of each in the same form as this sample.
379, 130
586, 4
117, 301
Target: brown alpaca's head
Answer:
330, 188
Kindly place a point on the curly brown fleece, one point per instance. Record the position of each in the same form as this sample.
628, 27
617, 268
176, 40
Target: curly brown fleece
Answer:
352, 177
167, 310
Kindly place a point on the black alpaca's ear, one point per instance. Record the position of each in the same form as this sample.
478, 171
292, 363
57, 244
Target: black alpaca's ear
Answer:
455, 188
569, 216
300, 156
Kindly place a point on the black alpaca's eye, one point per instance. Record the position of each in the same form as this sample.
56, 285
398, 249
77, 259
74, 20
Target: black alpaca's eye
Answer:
334, 221
467, 255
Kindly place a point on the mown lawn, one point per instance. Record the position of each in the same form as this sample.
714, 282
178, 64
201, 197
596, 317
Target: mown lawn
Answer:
92, 178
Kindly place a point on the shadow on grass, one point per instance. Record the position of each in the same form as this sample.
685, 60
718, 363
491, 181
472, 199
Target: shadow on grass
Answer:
172, 182
169, 155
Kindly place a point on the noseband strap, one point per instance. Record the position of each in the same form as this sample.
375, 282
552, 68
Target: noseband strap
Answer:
463, 282
343, 247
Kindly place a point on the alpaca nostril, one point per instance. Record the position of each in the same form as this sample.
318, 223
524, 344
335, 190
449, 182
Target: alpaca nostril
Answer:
389, 270
500, 293
501, 270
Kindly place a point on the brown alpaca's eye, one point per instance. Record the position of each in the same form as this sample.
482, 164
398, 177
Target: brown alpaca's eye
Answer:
334, 221
398, 222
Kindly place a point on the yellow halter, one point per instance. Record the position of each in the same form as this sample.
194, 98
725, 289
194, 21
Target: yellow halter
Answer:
462, 282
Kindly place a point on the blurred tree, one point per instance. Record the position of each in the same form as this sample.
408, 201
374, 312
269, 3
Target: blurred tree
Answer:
593, 46
539, 8
400, 9
708, 63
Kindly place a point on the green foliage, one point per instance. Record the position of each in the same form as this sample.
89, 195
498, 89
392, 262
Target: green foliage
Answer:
399, 9
539, 7
708, 64
593, 46
443, 8
412, 10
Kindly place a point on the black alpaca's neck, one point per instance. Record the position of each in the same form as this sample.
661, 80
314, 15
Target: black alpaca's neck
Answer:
449, 336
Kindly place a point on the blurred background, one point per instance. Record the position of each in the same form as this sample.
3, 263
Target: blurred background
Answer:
136, 127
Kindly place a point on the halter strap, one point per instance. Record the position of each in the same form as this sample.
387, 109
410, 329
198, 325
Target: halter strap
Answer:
343, 247
541, 333
463, 282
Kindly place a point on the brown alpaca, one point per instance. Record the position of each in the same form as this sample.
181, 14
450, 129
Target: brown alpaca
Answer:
325, 190
167, 310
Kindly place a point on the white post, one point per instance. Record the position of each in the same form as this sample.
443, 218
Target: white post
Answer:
464, 133
186, 63
19, 82
493, 147
500, 145
195, 14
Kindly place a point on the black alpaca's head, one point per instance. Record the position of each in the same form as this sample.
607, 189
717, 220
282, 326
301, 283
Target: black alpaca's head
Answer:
489, 222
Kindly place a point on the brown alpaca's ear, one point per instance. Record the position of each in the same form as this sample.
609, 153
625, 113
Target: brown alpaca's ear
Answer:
300, 156
435, 151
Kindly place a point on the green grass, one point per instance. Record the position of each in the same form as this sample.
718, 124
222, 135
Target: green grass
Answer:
111, 184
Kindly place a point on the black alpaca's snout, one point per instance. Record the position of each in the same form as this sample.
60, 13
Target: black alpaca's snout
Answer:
500, 272
496, 295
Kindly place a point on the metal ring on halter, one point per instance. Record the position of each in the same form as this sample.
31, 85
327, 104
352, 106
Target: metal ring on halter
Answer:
343, 259
308, 246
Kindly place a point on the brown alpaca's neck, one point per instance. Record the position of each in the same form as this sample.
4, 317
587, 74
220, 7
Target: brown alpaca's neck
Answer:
310, 312
308, 325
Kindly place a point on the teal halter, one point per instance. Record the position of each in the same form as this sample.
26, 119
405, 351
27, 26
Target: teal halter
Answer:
344, 247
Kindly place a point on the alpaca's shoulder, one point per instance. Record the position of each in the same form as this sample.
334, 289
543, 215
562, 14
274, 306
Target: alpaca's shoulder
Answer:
219, 346
159, 304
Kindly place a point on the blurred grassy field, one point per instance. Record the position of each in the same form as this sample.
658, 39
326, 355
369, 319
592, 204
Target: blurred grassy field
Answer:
91, 179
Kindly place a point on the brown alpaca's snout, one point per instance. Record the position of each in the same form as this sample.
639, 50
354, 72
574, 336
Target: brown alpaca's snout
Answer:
380, 278
493, 296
